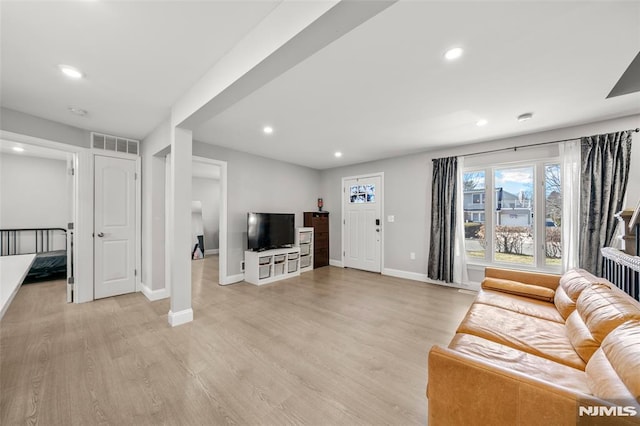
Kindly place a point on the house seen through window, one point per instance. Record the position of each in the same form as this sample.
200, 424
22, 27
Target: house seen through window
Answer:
519, 221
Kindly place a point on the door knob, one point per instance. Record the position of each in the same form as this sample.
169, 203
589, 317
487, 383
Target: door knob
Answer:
100, 234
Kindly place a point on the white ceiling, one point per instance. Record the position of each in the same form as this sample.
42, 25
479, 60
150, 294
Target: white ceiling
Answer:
379, 91
384, 89
138, 56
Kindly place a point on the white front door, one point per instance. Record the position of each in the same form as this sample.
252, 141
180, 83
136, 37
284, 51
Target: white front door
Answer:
363, 223
114, 226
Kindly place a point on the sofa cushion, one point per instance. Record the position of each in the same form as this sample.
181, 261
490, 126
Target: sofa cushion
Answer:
564, 304
520, 361
580, 336
519, 289
537, 336
571, 285
622, 350
523, 305
603, 309
599, 310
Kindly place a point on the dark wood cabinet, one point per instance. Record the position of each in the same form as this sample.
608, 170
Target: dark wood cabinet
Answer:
320, 223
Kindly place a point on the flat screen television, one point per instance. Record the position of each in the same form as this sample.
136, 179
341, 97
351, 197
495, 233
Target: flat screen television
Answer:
270, 230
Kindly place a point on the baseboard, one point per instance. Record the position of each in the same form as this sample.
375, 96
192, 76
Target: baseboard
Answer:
181, 317
211, 251
337, 263
415, 276
154, 295
232, 279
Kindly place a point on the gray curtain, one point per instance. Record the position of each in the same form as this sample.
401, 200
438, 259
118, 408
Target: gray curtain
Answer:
604, 174
443, 219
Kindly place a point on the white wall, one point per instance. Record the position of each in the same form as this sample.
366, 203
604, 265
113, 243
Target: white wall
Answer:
25, 124
258, 184
34, 192
408, 191
207, 191
153, 150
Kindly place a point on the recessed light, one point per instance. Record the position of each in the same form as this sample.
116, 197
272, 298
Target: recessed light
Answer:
481, 123
525, 117
18, 149
268, 130
71, 72
78, 111
337, 154
453, 53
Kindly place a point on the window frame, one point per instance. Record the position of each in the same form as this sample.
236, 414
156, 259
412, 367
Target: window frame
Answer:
539, 214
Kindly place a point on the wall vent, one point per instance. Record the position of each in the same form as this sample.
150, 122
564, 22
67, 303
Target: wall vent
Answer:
115, 143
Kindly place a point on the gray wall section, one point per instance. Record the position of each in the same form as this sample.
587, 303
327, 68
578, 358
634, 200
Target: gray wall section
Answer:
25, 124
405, 187
407, 190
258, 184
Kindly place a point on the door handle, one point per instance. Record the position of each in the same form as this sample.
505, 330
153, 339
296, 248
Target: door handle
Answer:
100, 234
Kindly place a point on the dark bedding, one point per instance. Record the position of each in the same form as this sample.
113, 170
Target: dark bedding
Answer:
48, 266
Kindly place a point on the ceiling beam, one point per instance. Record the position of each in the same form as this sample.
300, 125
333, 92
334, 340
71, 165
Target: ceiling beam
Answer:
291, 33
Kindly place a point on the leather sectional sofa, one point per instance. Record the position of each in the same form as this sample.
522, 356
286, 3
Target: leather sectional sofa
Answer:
534, 348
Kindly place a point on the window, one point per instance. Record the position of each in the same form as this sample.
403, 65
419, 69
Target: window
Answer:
513, 226
474, 213
519, 222
553, 214
362, 194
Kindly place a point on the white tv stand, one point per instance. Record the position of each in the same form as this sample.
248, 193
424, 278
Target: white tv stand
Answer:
264, 267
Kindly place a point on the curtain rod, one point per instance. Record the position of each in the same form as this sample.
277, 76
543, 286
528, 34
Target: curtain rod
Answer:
515, 148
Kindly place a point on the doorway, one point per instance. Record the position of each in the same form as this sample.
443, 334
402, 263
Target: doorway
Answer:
37, 213
205, 208
210, 169
362, 209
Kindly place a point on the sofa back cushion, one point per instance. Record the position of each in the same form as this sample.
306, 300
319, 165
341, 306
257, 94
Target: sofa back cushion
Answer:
572, 283
613, 372
599, 310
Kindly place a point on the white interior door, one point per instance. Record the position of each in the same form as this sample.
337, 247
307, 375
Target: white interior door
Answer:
363, 223
114, 226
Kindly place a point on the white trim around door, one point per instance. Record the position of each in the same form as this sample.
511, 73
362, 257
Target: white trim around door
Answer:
224, 279
377, 226
222, 236
82, 211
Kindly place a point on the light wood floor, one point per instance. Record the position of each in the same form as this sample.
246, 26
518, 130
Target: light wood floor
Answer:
334, 346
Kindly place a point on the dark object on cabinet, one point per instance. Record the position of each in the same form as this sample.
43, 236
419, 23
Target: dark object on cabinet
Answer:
320, 223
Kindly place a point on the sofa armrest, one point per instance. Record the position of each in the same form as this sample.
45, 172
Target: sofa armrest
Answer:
536, 278
469, 391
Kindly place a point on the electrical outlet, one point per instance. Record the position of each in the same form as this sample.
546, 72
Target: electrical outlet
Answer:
412, 256
242, 266
391, 218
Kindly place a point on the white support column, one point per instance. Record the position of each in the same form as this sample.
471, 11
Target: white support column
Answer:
179, 238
